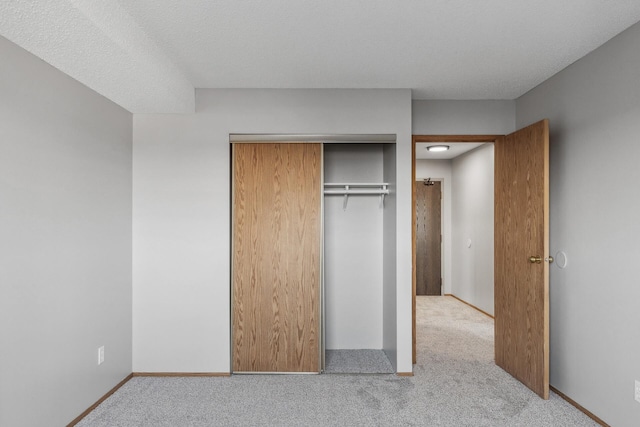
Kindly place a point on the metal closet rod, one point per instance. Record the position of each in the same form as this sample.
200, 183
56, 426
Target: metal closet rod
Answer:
357, 188
360, 189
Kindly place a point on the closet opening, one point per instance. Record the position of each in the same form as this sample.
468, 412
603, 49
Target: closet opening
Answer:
354, 257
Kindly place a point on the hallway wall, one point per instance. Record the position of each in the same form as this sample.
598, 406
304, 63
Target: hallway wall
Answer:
472, 224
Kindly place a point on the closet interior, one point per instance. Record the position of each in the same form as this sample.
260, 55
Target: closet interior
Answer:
353, 258
294, 302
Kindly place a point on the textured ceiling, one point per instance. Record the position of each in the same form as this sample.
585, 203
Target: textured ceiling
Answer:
99, 44
158, 50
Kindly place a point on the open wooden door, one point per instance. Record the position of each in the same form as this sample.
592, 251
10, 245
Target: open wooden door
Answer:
276, 257
522, 256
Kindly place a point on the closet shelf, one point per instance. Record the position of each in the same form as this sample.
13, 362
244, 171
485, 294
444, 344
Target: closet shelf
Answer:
357, 188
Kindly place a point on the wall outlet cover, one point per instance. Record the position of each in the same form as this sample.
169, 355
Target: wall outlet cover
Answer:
100, 355
638, 391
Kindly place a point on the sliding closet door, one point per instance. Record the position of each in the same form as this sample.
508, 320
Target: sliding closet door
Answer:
276, 257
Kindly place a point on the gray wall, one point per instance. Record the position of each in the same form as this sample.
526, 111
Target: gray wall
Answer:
463, 117
472, 222
65, 243
594, 112
181, 214
353, 250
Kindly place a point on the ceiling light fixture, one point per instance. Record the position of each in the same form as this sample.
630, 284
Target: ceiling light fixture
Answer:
437, 148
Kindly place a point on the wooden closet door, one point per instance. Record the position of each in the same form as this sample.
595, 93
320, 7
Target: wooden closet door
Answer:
277, 193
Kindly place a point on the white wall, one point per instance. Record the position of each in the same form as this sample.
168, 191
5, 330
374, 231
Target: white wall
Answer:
472, 218
65, 243
353, 250
181, 232
441, 170
463, 117
594, 111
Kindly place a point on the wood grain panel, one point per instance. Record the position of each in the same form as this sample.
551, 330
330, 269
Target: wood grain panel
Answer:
276, 257
522, 230
428, 238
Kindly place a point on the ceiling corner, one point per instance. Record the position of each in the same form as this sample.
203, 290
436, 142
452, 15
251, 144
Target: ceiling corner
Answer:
101, 46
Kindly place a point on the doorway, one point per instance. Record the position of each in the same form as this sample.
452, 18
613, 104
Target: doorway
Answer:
441, 165
521, 252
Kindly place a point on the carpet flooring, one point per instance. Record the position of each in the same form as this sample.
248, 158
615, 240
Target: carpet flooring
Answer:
456, 384
357, 362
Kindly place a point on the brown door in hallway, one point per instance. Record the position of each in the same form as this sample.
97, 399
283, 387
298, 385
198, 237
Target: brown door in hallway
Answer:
276, 251
521, 256
428, 198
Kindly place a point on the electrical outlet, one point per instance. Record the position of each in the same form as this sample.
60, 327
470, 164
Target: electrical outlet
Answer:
637, 391
101, 355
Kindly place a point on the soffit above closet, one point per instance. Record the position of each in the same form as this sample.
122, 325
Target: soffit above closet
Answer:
149, 55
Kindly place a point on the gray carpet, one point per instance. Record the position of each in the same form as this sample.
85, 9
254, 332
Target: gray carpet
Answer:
456, 383
357, 362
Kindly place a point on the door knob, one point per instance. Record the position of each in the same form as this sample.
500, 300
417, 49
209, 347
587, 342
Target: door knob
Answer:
538, 259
